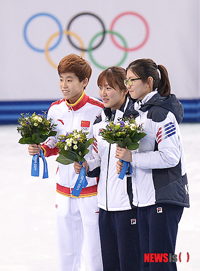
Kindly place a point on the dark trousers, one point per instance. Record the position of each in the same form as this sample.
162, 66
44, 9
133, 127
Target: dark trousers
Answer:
158, 226
119, 240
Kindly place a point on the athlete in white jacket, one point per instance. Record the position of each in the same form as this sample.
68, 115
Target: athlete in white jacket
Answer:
77, 218
114, 194
117, 215
159, 171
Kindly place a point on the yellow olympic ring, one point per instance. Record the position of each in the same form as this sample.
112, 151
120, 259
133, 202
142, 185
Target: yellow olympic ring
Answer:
46, 50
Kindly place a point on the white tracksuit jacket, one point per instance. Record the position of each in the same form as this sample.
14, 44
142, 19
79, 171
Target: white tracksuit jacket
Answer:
80, 116
160, 174
114, 194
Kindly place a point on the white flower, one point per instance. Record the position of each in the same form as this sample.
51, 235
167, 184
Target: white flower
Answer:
75, 142
35, 124
68, 142
66, 148
126, 122
37, 118
133, 126
75, 147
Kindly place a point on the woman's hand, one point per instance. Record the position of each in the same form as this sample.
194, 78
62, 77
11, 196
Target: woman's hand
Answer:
34, 149
123, 154
119, 166
77, 167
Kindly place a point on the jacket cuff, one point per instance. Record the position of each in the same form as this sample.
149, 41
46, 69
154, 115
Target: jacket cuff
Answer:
48, 151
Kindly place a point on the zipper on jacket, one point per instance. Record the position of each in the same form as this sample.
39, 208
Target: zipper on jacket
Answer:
71, 129
107, 177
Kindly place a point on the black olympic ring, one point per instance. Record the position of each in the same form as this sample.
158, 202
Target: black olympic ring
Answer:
103, 32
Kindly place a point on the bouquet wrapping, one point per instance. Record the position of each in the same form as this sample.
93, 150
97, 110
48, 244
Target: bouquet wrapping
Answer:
35, 129
126, 134
73, 147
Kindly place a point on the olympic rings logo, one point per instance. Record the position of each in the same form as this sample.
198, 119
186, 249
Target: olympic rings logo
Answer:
69, 33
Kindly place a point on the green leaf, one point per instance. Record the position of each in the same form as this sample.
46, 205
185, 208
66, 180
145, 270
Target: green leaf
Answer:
85, 152
35, 136
121, 144
27, 140
52, 133
63, 160
39, 140
119, 139
132, 146
63, 152
80, 158
142, 135
138, 136
89, 142
82, 147
44, 132
110, 141
126, 140
71, 155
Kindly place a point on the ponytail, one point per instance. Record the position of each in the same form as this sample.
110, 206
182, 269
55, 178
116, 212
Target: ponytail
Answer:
164, 87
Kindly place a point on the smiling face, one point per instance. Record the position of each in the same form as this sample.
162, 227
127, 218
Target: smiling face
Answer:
112, 98
138, 89
71, 87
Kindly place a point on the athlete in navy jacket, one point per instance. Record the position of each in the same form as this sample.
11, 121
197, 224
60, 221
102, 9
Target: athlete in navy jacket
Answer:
159, 173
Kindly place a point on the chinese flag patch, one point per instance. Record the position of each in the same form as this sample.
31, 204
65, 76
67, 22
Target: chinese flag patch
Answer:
85, 123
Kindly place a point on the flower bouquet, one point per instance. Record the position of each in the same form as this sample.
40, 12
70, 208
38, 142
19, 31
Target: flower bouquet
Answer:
73, 147
126, 134
35, 129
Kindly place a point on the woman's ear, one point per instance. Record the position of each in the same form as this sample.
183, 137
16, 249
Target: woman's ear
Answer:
150, 82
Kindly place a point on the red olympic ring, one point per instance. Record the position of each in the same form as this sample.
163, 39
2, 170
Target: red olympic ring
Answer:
146, 26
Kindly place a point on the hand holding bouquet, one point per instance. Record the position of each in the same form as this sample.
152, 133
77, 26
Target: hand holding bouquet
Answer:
126, 134
35, 129
73, 147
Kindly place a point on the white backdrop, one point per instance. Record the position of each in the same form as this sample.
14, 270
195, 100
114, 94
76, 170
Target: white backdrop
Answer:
166, 31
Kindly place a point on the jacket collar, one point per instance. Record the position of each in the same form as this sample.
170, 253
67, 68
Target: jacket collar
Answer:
115, 114
138, 104
79, 103
170, 103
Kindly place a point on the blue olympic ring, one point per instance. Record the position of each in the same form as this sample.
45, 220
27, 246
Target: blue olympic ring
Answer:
48, 15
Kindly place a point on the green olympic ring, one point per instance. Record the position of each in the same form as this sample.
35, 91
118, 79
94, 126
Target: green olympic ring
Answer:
90, 49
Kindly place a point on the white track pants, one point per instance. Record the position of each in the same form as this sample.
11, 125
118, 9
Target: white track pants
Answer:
77, 222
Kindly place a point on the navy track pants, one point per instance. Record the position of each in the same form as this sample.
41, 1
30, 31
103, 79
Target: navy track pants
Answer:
119, 240
158, 227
